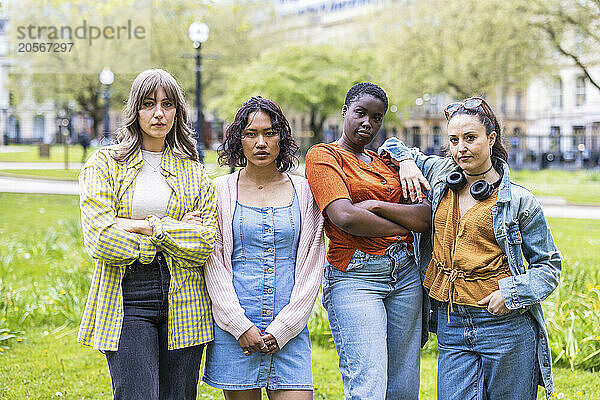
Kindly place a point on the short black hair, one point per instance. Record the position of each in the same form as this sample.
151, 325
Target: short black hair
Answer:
366, 88
232, 153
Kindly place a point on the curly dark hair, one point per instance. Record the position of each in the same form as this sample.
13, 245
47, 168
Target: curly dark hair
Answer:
366, 88
232, 153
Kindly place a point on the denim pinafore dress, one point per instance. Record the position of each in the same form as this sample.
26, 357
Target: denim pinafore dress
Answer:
264, 264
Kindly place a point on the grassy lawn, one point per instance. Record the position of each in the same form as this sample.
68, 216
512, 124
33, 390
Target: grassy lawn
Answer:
72, 174
44, 278
50, 364
577, 187
31, 153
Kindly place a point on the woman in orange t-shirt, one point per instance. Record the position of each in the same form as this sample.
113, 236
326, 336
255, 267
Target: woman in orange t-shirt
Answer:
372, 287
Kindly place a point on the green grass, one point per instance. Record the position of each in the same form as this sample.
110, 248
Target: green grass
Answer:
45, 274
576, 187
50, 361
72, 174
31, 153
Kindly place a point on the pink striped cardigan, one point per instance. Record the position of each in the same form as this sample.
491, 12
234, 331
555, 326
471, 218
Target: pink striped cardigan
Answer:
310, 259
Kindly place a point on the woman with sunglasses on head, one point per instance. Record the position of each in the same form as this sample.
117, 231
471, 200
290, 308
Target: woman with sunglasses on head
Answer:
492, 338
371, 288
264, 274
149, 220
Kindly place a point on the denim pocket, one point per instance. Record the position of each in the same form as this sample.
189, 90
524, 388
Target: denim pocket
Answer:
514, 235
357, 261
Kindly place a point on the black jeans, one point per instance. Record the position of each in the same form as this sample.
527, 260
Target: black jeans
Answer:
143, 368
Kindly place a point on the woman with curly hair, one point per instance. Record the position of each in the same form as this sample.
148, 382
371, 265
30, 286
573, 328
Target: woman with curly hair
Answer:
264, 274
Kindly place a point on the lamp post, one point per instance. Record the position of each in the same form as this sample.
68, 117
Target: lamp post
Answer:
106, 78
63, 130
198, 33
5, 124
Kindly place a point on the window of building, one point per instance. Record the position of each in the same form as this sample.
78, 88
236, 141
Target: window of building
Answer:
437, 136
556, 93
515, 140
14, 128
595, 136
416, 136
555, 138
518, 100
39, 125
580, 91
578, 135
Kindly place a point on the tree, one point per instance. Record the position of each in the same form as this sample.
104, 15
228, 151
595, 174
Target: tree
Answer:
572, 27
312, 80
230, 40
460, 48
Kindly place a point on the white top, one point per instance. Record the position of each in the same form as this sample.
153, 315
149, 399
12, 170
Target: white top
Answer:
152, 192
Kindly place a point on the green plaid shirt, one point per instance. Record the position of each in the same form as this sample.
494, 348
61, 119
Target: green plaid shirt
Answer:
106, 189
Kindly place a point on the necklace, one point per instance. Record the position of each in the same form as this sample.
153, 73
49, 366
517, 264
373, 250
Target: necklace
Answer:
156, 167
261, 186
483, 173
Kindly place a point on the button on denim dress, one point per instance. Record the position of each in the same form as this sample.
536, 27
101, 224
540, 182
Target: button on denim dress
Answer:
264, 264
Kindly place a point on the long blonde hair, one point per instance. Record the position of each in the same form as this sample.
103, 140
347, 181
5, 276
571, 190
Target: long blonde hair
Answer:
129, 136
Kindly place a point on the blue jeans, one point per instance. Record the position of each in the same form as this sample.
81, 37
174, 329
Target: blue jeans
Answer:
143, 368
484, 356
375, 311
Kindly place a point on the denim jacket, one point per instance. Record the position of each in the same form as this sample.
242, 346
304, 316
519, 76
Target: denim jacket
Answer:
521, 230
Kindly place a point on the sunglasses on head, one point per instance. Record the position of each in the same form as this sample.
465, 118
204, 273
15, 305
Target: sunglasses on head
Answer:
472, 103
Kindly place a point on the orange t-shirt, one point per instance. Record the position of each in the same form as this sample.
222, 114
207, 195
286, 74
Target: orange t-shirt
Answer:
334, 173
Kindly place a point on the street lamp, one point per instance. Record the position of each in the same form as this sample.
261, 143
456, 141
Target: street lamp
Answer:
198, 33
106, 78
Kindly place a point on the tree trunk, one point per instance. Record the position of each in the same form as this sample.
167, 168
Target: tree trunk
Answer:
316, 125
89, 101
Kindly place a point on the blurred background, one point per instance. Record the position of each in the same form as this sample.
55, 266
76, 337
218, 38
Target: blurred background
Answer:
536, 61
66, 68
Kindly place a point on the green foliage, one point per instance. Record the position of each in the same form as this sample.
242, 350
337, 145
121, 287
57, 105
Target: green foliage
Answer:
311, 80
571, 27
573, 311
44, 271
460, 48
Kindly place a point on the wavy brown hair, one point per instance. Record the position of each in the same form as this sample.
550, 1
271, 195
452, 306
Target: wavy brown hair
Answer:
232, 153
129, 136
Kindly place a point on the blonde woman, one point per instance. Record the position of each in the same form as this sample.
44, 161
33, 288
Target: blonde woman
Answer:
149, 221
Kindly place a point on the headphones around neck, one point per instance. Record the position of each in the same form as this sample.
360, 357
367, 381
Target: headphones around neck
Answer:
480, 190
